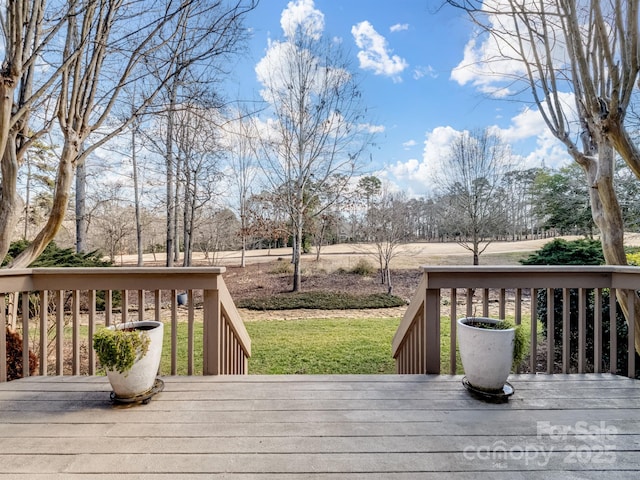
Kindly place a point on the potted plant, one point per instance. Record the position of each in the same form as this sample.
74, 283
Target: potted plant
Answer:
489, 348
130, 353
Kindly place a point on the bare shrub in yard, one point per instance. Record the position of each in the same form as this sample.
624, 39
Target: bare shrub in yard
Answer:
14, 357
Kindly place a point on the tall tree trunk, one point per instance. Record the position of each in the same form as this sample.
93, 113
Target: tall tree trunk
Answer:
187, 220
8, 192
297, 255
81, 208
171, 180
64, 180
607, 215
27, 201
176, 214
136, 198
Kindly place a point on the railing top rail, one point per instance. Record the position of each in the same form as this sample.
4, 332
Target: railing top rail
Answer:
128, 278
125, 270
531, 276
552, 269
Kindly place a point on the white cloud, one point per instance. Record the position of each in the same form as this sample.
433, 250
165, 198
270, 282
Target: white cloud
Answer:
531, 141
399, 27
372, 128
408, 144
375, 54
302, 14
420, 72
415, 171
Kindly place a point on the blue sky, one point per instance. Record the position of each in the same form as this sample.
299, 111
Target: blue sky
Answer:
414, 82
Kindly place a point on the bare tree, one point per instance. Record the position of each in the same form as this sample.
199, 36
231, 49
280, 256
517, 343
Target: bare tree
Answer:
317, 130
113, 221
368, 189
198, 151
107, 44
579, 59
241, 141
470, 177
29, 29
387, 227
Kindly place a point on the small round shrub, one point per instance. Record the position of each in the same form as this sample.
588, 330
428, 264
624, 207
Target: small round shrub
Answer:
14, 356
282, 267
363, 267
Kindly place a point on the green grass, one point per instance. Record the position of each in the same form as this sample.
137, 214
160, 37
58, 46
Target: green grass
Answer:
312, 346
322, 346
322, 300
182, 360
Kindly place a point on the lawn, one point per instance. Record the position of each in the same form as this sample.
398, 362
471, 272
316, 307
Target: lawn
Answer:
313, 346
322, 346
310, 346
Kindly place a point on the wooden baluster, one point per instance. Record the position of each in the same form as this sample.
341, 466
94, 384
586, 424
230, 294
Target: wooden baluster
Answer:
125, 306
566, 330
582, 329
44, 332
485, 302
533, 343
597, 332
140, 305
454, 330
174, 332
75, 319
550, 330
92, 327
108, 308
613, 332
25, 334
518, 313
190, 332
59, 332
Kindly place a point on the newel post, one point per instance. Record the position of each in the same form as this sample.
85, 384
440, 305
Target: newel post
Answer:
211, 333
432, 331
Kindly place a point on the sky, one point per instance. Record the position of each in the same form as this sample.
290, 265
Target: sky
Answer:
409, 56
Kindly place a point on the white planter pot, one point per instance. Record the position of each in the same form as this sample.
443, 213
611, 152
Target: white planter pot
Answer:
486, 354
141, 378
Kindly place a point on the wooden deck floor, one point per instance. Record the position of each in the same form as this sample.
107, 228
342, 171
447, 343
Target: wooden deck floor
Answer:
325, 427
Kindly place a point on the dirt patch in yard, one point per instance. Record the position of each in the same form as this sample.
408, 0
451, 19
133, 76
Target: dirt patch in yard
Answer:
263, 280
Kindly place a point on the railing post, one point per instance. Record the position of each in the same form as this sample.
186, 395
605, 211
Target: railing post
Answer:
212, 316
432, 331
631, 329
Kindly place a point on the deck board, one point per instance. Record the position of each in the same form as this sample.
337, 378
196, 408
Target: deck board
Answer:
322, 427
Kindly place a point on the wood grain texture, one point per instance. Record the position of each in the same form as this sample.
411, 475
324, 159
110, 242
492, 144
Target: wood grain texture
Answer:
322, 427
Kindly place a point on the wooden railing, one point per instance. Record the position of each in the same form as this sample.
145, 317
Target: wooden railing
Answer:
57, 310
448, 293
